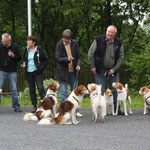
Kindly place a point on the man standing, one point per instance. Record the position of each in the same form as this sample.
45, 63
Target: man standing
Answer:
106, 55
9, 55
68, 61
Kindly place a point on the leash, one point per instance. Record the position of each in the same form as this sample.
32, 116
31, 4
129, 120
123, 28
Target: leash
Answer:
76, 80
107, 75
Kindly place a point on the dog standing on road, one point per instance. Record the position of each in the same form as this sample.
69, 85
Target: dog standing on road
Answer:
98, 102
123, 96
145, 91
108, 95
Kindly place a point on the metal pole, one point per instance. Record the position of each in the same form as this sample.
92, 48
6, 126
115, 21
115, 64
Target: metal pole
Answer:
29, 18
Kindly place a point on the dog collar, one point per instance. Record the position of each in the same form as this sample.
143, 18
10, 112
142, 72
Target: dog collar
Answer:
76, 99
50, 95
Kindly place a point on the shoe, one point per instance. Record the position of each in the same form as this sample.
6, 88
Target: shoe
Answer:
17, 109
120, 112
34, 109
79, 115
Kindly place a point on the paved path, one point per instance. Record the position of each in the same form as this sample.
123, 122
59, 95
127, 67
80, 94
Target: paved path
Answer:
117, 133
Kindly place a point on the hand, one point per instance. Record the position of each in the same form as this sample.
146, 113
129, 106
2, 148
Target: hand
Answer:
111, 72
23, 65
10, 53
70, 58
93, 70
78, 68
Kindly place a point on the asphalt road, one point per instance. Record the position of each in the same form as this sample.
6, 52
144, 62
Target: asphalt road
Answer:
117, 133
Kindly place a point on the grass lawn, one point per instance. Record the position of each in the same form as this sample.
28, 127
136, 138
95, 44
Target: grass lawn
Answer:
137, 101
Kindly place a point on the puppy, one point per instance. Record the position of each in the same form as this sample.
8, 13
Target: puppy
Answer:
47, 106
97, 102
67, 109
145, 91
108, 95
123, 96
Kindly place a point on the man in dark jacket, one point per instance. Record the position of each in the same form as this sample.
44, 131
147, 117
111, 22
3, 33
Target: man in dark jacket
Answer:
9, 55
68, 61
106, 55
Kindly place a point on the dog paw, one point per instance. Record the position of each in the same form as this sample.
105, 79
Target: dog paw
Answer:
76, 122
126, 114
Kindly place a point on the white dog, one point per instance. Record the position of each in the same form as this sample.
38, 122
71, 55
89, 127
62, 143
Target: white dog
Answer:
98, 102
123, 96
67, 109
145, 91
108, 95
47, 106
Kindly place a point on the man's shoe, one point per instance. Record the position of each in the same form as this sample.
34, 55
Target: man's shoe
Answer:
17, 109
79, 115
33, 109
120, 112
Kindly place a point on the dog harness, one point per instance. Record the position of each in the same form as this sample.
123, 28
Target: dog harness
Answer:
146, 100
76, 100
94, 96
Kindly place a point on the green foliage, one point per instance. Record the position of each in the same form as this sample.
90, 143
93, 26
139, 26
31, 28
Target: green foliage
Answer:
86, 19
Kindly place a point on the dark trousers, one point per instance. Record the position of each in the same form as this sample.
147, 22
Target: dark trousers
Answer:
35, 79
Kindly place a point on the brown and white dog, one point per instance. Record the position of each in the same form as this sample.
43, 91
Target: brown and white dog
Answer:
145, 91
47, 106
108, 95
123, 96
67, 109
97, 102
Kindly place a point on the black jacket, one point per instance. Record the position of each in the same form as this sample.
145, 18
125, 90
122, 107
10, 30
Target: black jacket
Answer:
62, 60
40, 59
7, 63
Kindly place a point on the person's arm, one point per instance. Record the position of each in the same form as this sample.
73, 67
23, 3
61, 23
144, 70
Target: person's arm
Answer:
58, 55
16, 55
120, 59
91, 56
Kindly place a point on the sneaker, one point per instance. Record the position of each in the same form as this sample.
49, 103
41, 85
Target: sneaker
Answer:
34, 109
120, 112
79, 115
17, 109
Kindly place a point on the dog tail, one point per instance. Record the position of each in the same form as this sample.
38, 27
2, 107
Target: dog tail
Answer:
126, 86
29, 116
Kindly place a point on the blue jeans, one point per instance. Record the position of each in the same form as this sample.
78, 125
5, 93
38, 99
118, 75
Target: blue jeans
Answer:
12, 78
100, 78
64, 86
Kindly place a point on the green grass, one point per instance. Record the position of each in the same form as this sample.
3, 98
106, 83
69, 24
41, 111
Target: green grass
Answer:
137, 101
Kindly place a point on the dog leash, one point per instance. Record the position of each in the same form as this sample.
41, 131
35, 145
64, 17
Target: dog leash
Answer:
76, 80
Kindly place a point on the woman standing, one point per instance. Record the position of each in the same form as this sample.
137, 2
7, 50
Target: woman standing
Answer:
34, 61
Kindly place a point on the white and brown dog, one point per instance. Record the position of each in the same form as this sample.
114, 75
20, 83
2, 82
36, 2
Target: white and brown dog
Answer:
97, 102
47, 106
67, 109
108, 95
123, 96
145, 92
